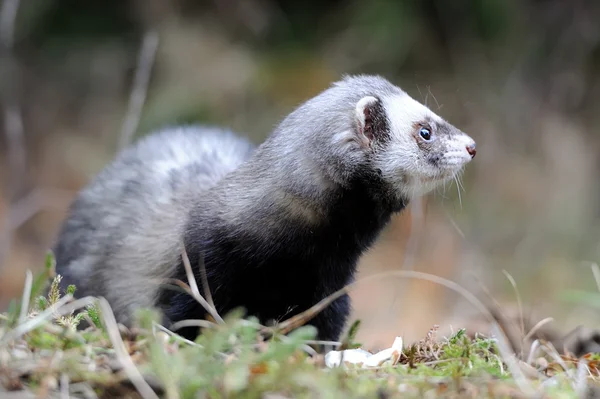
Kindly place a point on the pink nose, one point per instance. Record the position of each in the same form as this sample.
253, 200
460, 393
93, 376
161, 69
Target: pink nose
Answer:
471, 150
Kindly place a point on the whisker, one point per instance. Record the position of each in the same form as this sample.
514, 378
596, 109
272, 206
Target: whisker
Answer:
438, 191
435, 99
459, 182
460, 176
418, 88
458, 190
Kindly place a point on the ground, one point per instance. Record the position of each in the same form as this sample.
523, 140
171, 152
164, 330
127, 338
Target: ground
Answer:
43, 354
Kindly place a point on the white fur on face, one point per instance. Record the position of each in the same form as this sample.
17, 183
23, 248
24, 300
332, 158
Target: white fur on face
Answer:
405, 162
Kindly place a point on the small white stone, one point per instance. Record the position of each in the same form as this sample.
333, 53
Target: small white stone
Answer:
362, 358
353, 356
397, 345
377, 359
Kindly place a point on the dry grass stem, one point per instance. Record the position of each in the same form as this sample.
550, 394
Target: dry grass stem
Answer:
137, 98
128, 365
533, 351
35, 201
13, 123
510, 359
596, 273
580, 383
301, 318
64, 386
8, 16
518, 297
192, 323
205, 286
537, 326
515, 340
551, 351
175, 335
194, 287
26, 296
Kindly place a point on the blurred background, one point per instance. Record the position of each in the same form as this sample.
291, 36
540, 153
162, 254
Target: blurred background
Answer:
521, 77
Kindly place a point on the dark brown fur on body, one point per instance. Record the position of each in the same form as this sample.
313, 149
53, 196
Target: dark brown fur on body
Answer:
292, 266
278, 228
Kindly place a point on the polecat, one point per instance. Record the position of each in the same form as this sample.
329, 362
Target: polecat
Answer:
278, 227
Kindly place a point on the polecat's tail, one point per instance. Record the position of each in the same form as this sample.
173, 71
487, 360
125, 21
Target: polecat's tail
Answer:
123, 230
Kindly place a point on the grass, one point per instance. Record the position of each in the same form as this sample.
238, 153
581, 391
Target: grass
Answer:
44, 353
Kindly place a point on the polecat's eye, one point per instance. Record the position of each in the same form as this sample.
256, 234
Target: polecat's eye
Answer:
425, 133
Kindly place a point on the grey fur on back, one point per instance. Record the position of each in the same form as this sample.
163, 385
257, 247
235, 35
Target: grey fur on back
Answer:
124, 228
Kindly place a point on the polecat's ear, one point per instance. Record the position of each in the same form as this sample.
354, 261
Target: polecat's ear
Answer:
367, 110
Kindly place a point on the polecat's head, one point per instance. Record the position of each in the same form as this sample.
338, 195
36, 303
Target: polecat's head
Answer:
371, 123
412, 148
